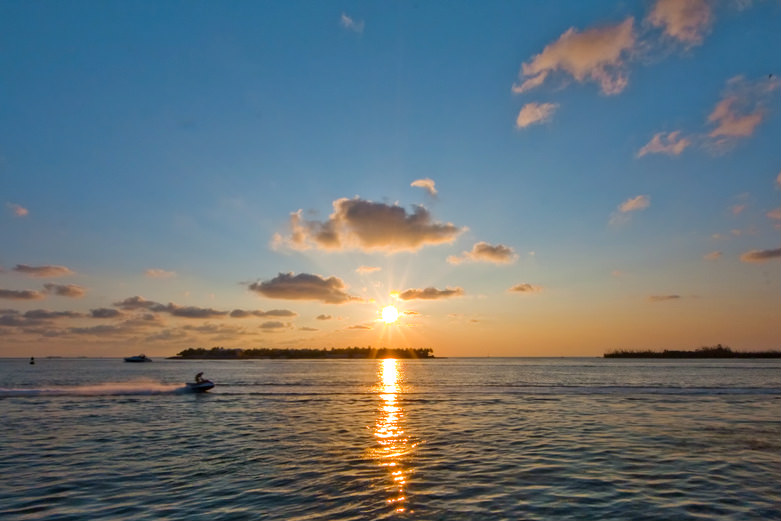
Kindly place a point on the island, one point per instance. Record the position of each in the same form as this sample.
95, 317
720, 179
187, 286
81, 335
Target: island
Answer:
221, 353
717, 351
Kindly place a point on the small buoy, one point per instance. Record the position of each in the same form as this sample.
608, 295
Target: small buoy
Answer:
32, 360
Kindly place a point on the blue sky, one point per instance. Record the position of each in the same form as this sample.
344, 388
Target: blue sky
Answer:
590, 176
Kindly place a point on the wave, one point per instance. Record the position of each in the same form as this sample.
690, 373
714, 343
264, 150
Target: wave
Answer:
143, 388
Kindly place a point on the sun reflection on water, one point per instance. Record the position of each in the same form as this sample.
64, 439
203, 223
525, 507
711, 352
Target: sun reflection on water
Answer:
393, 443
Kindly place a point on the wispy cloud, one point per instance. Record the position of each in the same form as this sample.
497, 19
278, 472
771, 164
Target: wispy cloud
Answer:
683, 20
525, 288
363, 270
714, 255
43, 271
304, 286
596, 54
532, 113
430, 293
156, 273
427, 184
323, 317
761, 255
349, 23
17, 209
242, 313
663, 298
634, 204
368, 226
485, 252
741, 109
671, 144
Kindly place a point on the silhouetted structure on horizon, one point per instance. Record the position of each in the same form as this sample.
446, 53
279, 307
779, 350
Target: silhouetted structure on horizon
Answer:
717, 351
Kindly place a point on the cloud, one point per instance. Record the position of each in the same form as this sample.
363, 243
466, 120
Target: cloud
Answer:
25, 294
525, 288
714, 255
670, 144
484, 252
774, 214
731, 120
155, 273
348, 23
595, 54
65, 290
361, 327
304, 286
761, 255
663, 298
778, 180
427, 184
105, 313
430, 293
240, 313
634, 204
368, 226
532, 113
273, 325
192, 311
308, 329
683, 20
134, 303
323, 317
366, 269
43, 271
17, 210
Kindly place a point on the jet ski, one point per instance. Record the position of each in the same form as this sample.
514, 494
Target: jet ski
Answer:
200, 387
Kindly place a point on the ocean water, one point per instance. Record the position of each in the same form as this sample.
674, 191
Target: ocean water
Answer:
444, 439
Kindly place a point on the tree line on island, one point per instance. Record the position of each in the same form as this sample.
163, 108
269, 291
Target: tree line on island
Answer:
222, 353
717, 351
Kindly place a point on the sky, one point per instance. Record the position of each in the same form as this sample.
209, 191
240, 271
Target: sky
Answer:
516, 178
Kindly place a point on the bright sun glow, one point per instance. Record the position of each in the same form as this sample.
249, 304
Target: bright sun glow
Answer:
390, 314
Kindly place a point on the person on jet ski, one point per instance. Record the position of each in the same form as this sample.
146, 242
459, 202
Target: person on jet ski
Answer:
199, 378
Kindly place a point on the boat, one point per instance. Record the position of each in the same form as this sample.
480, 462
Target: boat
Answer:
200, 387
138, 358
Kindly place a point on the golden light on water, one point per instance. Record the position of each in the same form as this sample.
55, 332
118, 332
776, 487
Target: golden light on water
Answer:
393, 443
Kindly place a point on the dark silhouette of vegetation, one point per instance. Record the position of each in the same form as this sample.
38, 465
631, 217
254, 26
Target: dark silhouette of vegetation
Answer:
221, 353
717, 351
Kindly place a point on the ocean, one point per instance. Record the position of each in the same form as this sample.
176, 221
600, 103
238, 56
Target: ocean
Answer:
443, 439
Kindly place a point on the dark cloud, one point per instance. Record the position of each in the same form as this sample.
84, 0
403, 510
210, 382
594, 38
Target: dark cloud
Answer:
105, 313
24, 294
134, 303
484, 252
761, 255
369, 226
307, 329
241, 313
44, 314
66, 290
43, 271
323, 317
360, 327
273, 325
304, 286
663, 298
430, 293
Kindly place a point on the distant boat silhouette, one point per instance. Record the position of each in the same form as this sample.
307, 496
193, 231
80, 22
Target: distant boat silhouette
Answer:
32, 360
138, 358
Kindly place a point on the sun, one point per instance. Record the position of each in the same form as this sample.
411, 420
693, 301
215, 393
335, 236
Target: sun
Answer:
390, 314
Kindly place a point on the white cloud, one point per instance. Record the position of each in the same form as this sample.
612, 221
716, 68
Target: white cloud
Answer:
671, 144
683, 20
593, 55
532, 113
427, 184
634, 204
348, 23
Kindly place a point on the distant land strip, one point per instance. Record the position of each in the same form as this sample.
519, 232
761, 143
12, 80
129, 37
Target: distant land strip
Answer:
221, 353
717, 351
